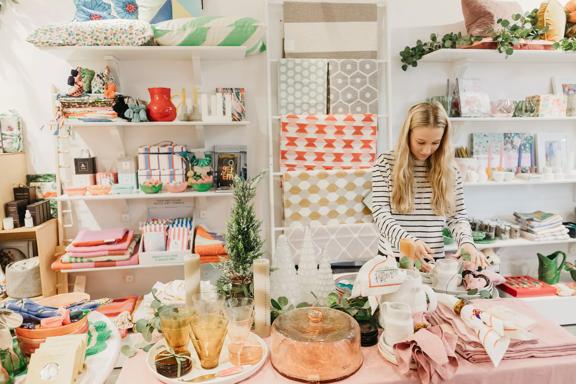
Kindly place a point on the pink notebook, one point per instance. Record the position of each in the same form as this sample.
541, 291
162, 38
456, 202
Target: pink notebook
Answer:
100, 237
121, 245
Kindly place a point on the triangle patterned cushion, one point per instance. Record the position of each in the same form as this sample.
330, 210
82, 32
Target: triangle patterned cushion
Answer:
156, 11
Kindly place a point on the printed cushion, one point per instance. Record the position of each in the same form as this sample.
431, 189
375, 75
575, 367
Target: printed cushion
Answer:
156, 11
116, 32
213, 31
87, 10
551, 14
480, 16
326, 197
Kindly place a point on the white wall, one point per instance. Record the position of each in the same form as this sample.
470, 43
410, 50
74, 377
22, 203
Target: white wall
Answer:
26, 77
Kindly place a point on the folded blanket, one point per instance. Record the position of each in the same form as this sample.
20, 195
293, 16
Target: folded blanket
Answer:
208, 243
69, 258
120, 245
88, 238
58, 265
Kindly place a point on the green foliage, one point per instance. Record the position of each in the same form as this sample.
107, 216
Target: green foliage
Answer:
506, 35
243, 241
411, 55
281, 305
358, 307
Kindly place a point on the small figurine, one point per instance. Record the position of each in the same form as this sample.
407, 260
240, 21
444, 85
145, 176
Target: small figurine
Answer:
136, 111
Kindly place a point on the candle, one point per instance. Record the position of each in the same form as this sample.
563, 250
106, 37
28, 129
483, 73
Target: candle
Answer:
262, 297
489, 166
532, 159
191, 276
519, 167
501, 163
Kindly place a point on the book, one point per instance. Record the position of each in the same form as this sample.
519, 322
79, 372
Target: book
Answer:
238, 102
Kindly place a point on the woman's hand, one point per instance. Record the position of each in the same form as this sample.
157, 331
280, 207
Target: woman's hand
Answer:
423, 253
476, 257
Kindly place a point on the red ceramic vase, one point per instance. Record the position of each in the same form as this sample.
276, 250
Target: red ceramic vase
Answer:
160, 107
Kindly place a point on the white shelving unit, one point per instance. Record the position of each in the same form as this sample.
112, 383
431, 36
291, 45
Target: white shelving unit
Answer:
275, 41
112, 55
561, 310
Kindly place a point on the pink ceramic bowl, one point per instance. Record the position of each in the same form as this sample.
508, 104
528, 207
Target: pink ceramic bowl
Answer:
99, 189
177, 187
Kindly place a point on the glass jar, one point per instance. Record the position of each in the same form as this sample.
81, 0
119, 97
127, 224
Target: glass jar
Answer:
315, 344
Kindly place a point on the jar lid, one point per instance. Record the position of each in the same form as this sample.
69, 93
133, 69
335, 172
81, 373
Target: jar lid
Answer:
315, 324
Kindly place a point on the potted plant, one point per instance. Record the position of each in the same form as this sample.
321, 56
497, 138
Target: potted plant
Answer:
359, 308
243, 241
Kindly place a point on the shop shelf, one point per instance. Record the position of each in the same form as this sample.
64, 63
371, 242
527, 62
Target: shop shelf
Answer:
519, 183
71, 53
559, 309
142, 195
123, 123
513, 243
509, 119
492, 56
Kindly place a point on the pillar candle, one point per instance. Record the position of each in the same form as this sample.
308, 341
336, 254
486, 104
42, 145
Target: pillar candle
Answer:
262, 297
191, 276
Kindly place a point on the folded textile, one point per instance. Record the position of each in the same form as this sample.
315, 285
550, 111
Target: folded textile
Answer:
97, 253
58, 265
87, 238
120, 245
208, 243
553, 237
68, 258
432, 350
548, 339
537, 218
555, 230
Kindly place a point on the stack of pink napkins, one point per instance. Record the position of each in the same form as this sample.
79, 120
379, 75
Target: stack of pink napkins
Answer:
99, 248
549, 339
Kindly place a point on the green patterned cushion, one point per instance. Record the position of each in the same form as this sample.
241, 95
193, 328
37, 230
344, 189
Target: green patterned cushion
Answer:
212, 31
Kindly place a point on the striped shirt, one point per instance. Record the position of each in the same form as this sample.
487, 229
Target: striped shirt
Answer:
422, 223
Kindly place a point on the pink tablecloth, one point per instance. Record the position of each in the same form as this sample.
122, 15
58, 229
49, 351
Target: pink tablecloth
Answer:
376, 370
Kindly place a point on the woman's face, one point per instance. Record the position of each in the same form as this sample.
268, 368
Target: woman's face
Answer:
424, 141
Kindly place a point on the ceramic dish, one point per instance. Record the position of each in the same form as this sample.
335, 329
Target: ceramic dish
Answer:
99, 189
202, 187
41, 333
29, 345
151, 188
247, 371
345, 282
462, 293
177, 187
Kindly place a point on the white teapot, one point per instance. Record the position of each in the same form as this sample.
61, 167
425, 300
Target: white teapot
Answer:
420, 297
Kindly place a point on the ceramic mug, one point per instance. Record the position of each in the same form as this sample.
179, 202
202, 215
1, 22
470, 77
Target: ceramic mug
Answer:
396, 318
446, 275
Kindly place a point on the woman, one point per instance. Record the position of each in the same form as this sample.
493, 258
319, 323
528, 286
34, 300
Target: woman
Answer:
417, 191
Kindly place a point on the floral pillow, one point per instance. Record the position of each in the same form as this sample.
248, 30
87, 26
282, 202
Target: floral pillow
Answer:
91, 10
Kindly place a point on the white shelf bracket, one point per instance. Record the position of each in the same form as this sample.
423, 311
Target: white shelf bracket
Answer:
460, 68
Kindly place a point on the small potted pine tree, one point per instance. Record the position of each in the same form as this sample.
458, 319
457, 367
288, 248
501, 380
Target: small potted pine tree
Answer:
243, 241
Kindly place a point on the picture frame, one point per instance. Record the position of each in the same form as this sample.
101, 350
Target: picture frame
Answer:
552, 152
563, 86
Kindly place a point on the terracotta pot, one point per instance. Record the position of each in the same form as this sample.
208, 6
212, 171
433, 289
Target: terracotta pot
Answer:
160, 107
41, 333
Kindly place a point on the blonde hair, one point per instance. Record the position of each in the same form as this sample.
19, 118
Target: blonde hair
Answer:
440, 164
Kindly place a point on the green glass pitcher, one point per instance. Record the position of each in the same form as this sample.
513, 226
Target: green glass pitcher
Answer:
548, 267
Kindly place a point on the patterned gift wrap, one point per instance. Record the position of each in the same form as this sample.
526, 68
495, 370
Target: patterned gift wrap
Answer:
163, 175
165, 157
310, 142
326, 197
302, 86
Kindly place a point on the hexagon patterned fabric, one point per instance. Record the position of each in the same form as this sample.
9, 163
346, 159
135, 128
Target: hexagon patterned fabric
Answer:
326, 197
309, 142
353, 86
303, 86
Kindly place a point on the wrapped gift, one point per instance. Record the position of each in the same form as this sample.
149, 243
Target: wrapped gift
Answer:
164, 175
161, 156
549, 105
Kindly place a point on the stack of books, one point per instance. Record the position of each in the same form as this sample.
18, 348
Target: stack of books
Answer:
541, 226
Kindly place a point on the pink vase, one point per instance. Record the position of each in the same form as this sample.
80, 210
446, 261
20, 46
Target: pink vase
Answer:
160, 107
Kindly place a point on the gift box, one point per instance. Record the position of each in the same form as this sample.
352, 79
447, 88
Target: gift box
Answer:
164, 175
40, 211
85, 165
549, 105
165, 156
106, 178
25, 193
16, 210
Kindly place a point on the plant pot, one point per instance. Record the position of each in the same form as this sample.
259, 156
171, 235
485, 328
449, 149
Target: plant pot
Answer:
151, 188
160, 107
202, 187
368, 333
240, 290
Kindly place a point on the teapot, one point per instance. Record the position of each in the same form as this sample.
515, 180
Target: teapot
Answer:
420, 297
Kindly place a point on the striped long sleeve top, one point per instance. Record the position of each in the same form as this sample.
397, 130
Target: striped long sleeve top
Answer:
422, 223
